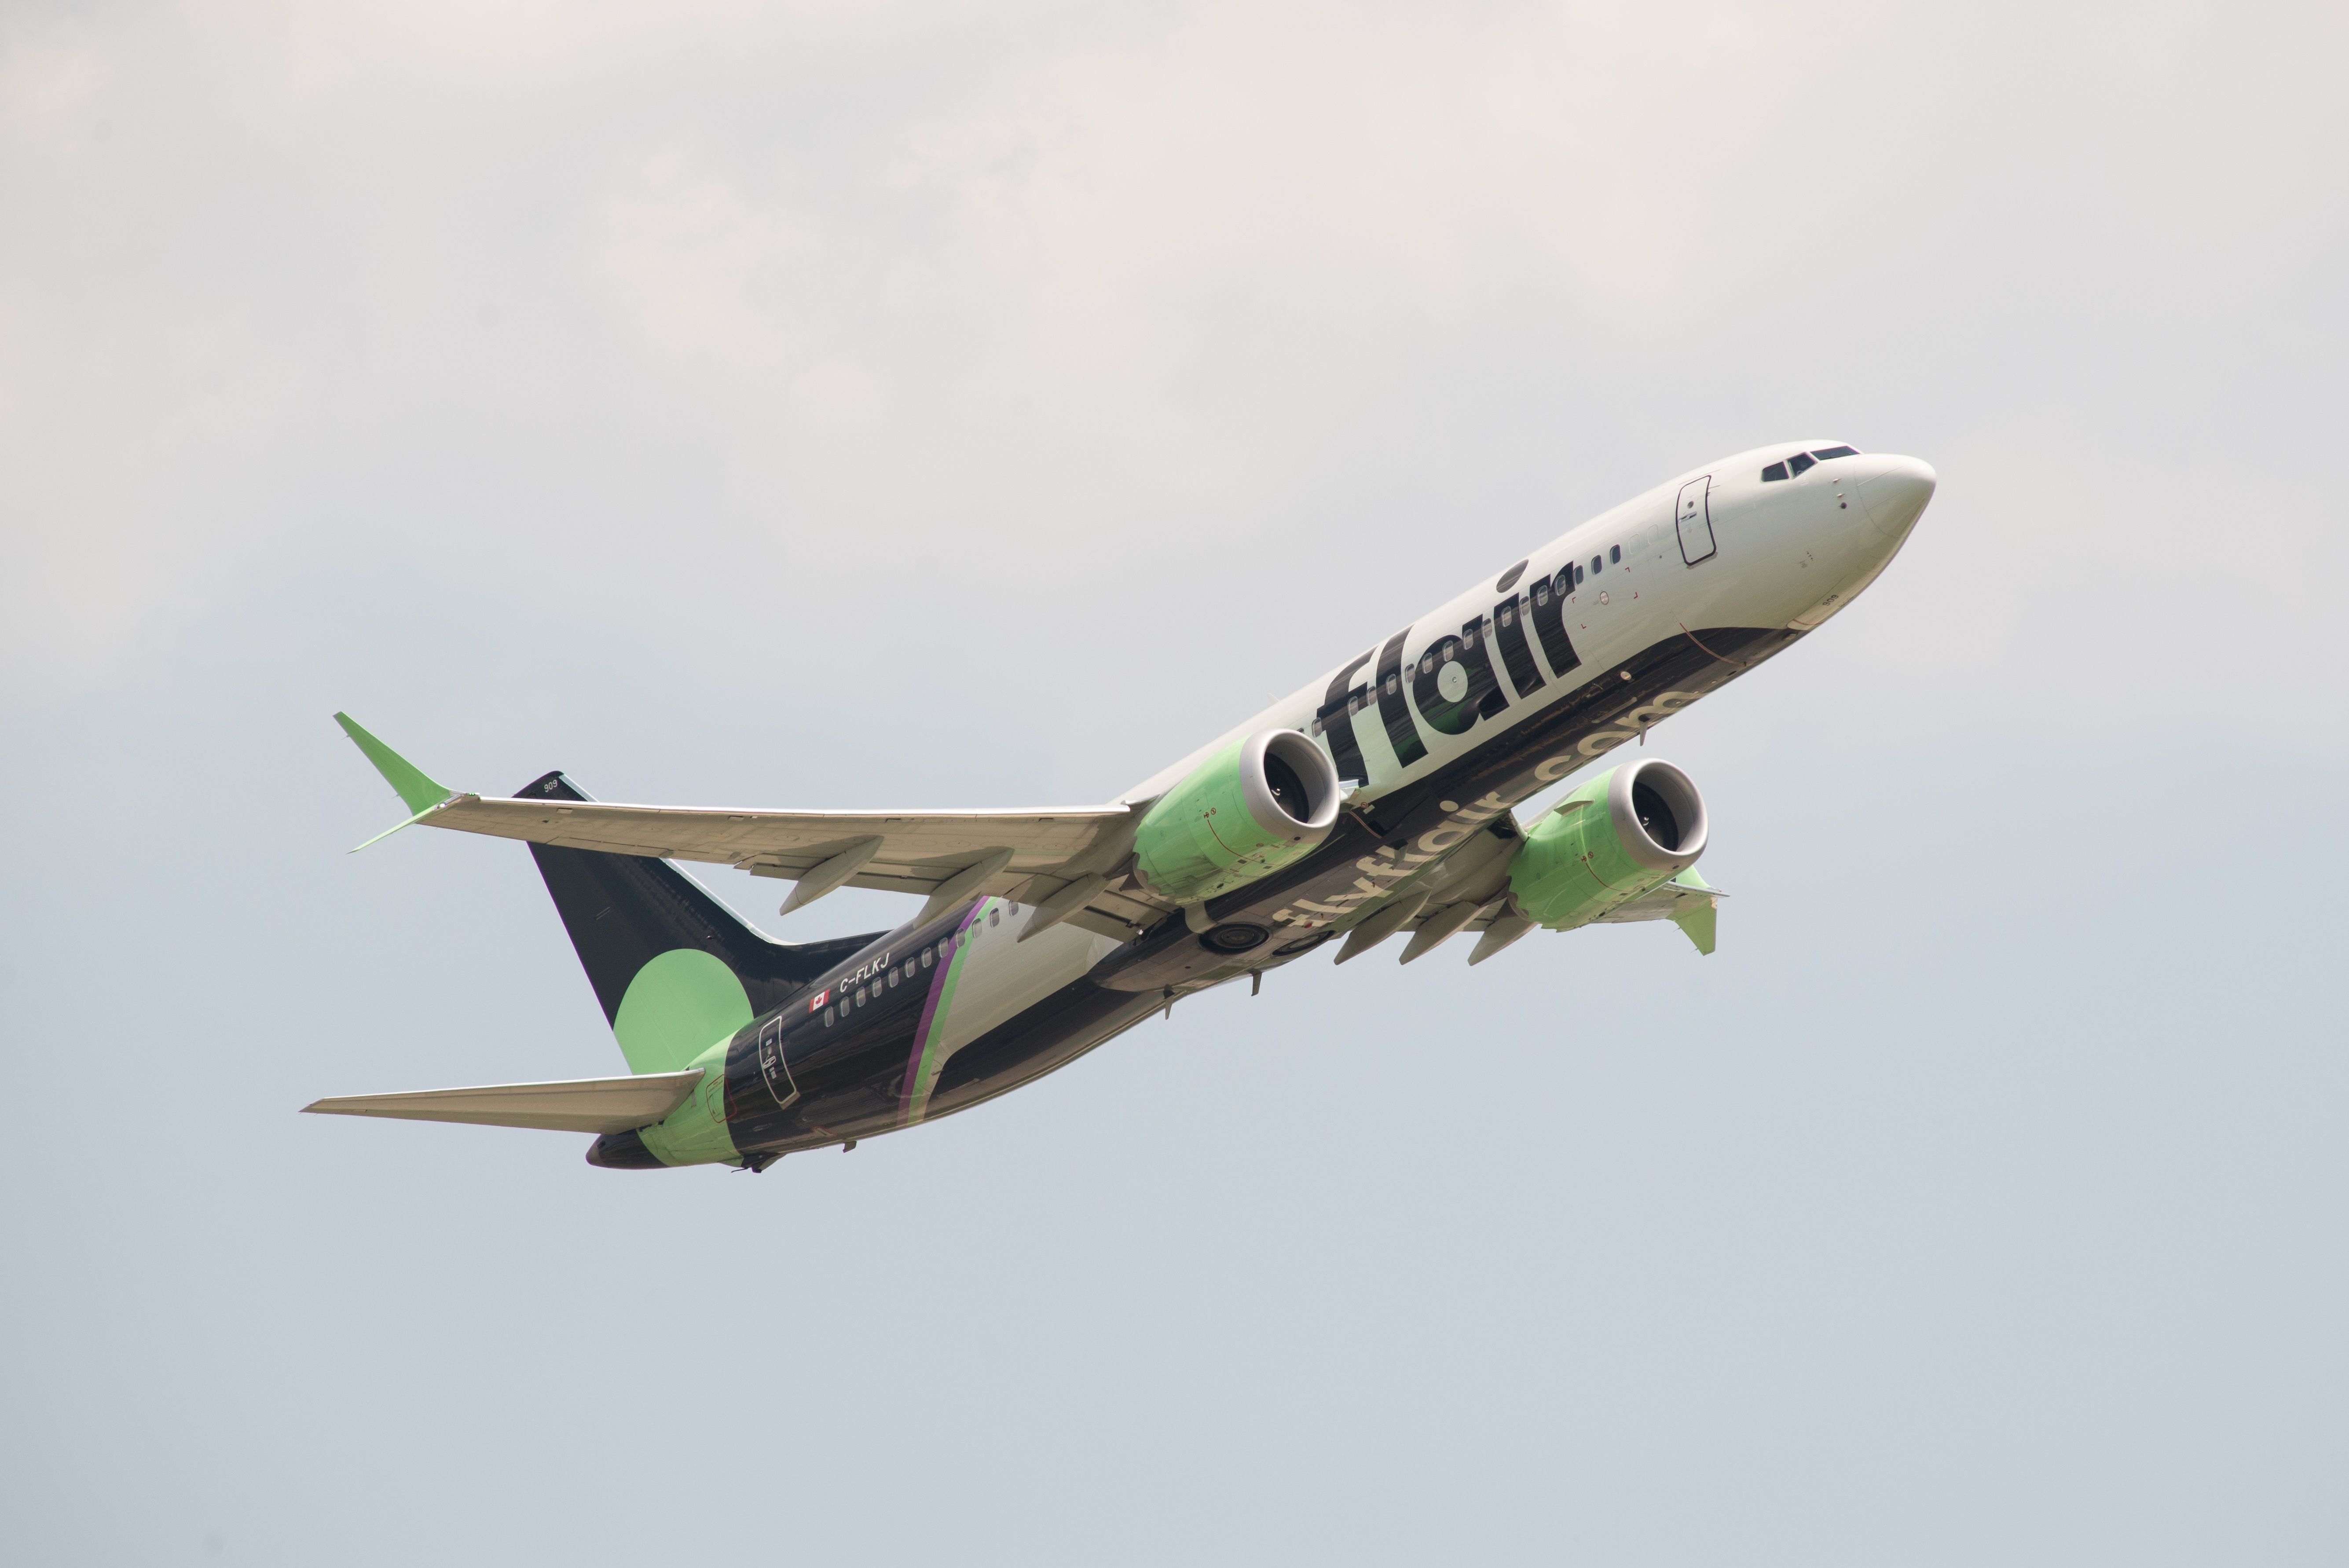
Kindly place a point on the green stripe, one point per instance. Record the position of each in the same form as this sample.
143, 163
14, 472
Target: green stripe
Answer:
926, 1075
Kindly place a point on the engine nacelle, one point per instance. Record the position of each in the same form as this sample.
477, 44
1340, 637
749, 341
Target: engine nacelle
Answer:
1607, 843
1251, 809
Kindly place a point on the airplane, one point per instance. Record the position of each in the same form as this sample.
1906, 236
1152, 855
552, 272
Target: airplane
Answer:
1377, 800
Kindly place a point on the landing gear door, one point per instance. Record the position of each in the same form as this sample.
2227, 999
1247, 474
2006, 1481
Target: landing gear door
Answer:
1694, 520
771, 1065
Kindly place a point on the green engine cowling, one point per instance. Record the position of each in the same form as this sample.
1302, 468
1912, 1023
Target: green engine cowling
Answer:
1613, 839
1253, 808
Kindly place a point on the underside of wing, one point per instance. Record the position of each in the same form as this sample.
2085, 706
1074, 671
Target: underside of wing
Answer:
578, 1105
1667, 901
1025, 855
918, 849
1070, 861
1688, 901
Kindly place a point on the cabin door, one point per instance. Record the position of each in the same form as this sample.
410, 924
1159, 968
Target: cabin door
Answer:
1693, 518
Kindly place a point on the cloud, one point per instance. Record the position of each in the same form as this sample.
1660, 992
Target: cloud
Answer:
624, 305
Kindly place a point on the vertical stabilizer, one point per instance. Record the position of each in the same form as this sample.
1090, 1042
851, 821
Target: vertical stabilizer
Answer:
674, 970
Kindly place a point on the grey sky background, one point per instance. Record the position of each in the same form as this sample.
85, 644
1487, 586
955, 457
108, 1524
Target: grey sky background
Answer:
862, 406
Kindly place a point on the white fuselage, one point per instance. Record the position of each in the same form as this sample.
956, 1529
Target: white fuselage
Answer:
1785, 553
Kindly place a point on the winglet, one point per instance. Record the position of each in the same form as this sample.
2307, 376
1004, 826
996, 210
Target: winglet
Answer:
1698, 918
417, 789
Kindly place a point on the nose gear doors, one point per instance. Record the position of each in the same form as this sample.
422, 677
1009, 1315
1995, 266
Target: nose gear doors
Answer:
1693, 519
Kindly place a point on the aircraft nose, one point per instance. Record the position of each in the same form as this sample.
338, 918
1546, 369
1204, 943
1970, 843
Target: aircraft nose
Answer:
1893, 491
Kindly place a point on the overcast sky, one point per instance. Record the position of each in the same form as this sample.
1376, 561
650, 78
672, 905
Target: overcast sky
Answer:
872, 406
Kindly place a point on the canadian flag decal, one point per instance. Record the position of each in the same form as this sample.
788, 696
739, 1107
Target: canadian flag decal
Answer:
820, 998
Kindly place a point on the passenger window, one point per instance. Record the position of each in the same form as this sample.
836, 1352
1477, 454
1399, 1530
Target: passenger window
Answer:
1390, 684
1614, 552
893, 979
1836, 452
1775, 471
1541, 591
1565, 580
1508, 614
926, 958
1596, 564
828, 1013
1799, 462
1578, 577
995, 916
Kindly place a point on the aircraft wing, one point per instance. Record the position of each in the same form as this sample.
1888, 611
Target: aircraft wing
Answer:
578, 1105
1028, 854
1688, 901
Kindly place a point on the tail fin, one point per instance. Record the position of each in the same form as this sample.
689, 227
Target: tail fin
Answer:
674, 970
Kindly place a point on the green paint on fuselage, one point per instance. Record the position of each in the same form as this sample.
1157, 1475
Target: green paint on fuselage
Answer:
934, 1026
696, 1133
683, 1010
675, 1007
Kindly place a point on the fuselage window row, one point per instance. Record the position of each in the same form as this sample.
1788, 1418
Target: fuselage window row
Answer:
927, 958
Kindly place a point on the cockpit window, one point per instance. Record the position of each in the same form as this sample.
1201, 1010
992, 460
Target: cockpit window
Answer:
1795, 465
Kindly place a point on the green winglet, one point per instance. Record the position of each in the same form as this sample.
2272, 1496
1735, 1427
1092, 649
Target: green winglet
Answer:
387, 832
1698, 918
417, 790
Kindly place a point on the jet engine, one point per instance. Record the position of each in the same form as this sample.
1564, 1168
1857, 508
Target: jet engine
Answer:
1610, 840
1251, 809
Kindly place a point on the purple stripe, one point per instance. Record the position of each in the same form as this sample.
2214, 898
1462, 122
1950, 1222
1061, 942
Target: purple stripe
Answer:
929, 1016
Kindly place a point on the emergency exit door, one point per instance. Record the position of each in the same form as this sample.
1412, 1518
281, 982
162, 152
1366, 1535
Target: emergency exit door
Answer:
771, 1065
1694, 520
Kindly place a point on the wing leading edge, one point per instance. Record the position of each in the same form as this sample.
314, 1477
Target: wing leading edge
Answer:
894, 851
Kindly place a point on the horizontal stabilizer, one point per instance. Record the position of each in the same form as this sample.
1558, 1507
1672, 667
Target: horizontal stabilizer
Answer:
579, 1105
